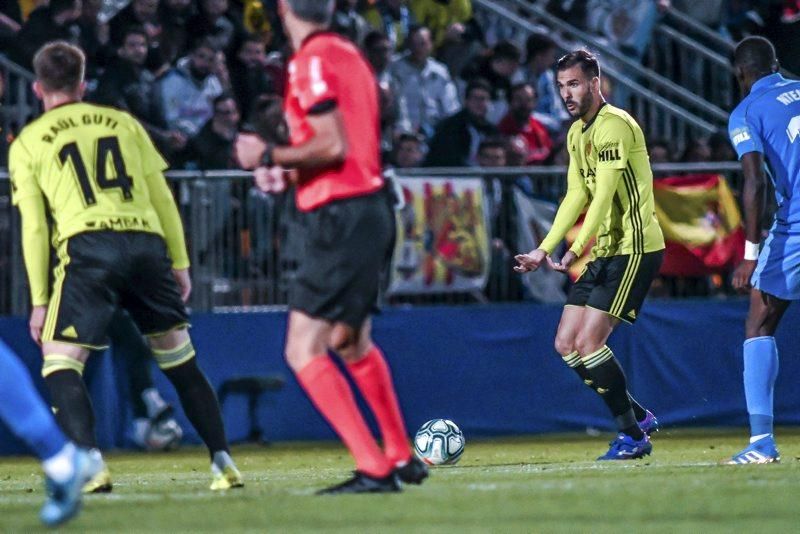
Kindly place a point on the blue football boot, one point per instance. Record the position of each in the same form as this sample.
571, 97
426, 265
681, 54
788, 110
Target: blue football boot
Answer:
763, 451
649, 424
627, 448
64, 498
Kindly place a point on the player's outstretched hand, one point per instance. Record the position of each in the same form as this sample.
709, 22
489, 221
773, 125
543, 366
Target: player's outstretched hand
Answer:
270, 180
184, 282
743, 274
36, 323
565, 263
531, 261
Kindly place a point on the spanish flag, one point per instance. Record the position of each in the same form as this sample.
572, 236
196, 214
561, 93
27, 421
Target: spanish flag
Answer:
701, 222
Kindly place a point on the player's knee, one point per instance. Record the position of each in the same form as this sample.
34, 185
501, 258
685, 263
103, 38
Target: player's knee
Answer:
344, 339
587, 343
349, 353
170, 358
761, 324
169, 340
565, 345
54, 363
349, 343
298, 354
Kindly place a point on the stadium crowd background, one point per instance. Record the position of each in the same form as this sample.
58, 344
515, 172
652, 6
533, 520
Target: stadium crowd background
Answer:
459, 88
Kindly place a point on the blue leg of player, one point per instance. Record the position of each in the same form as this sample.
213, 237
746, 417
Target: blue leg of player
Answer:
760, 372
67, 468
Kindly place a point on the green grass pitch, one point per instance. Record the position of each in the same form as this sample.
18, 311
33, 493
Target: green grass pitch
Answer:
531, 484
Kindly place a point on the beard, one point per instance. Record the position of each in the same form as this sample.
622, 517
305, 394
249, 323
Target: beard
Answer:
582, 106
199, 74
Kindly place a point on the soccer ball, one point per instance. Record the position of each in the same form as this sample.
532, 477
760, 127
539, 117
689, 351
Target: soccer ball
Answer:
438, 442
164, 435
156, 435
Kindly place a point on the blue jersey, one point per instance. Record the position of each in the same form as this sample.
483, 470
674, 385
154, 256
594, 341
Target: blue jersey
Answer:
768, 121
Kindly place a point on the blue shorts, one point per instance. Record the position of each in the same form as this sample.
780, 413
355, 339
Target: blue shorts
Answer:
778, 269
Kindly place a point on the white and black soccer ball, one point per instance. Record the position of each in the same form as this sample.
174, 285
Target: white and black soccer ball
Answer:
163, 435
439, 442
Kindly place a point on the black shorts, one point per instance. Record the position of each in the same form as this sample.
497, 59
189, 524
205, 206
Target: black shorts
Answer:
101, 271
345, 247
617, 285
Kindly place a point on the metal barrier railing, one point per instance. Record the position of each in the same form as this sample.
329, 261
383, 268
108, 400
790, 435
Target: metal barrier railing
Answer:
711, 40
659, 113
18, 104
689, 26
692, 65
673, 92
241, 240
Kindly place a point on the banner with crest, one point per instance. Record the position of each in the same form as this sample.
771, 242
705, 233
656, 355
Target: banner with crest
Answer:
442, 237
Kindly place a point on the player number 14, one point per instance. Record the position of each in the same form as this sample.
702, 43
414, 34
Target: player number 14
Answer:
106, 146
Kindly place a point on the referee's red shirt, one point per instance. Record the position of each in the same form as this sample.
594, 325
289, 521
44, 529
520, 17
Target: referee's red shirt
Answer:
329, 70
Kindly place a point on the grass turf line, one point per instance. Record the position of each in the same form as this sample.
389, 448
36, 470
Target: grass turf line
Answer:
531, 484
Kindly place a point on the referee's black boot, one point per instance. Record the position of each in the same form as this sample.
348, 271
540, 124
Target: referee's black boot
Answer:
363, 483
412, 472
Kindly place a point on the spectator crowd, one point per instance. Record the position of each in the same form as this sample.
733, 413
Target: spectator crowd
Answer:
193, 71
456, 89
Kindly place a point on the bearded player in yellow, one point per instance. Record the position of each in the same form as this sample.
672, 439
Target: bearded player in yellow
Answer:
609, 170
119, 241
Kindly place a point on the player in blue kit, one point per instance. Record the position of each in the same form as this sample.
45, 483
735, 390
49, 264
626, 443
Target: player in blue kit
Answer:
765, 128
66, 466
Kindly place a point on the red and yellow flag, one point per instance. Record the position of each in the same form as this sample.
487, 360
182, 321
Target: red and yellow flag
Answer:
701, 222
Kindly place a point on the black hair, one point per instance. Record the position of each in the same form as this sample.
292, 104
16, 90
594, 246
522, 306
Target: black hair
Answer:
506, 50
373, 38
477, 83
493, 142
318, 11
517, 87
222, 98
537, 43
582, 58
134, 29
755, 55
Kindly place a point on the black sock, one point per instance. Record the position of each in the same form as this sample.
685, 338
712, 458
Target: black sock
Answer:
131, 348
582, 372
609, 381
200, 404
73, 406
638, 411
139, 380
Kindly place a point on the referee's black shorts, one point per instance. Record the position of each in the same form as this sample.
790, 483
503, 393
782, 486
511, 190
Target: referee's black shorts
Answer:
346, 245
100, 271
617, 285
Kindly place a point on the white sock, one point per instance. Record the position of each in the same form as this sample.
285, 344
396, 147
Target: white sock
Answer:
153, 401
758, 437
60, 467
222, 459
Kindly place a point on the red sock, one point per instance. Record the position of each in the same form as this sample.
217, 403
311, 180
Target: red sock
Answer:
331, 395
374, 379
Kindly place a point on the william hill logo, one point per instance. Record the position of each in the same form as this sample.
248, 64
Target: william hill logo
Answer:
609, 154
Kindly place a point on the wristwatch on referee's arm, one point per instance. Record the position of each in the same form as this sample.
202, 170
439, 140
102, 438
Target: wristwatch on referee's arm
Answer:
266, 158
